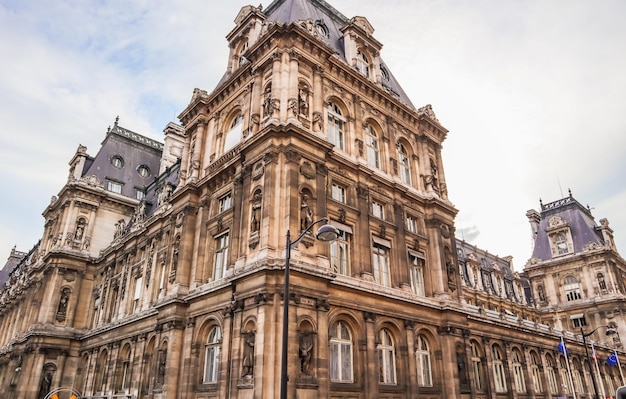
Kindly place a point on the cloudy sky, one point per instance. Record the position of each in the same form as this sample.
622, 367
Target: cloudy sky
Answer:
533, 93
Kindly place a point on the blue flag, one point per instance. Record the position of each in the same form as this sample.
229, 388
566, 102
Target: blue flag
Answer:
612, 360
561, 347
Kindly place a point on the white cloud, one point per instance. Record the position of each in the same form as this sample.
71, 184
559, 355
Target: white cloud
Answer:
532, 92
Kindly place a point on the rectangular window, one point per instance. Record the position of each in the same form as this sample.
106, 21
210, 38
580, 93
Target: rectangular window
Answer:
378, 210
114, 186
221, 256
137, 296
225, 202
417, 274
579, 321
381, 265
139, 194
340, 253
338, 193
411, 224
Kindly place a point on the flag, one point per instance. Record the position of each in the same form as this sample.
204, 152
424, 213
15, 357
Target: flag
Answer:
612, 360
593, 351
561, 347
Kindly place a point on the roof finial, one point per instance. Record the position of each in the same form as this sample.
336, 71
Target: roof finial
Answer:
117, 119
569, 190
540, 203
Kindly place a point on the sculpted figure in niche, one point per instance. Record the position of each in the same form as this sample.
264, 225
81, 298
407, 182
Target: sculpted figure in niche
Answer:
306, 214
46, 381
305, 353
248, 356
267, 102
80, 229
161, 367
62, 308
255, 223
303, 102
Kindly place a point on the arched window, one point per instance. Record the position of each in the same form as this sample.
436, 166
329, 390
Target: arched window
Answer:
518, 372
362, 64
564, 376
234, 134
572, 289
336, 123
498, 369
535, 372
240, 58
405, 166
212, 356
476, 366
386, 358
125, 374
371, 141
551, 373
100, 372
422, 356
577, 377
341, 356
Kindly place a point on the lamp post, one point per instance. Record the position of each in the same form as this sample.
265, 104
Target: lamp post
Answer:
325, 233
609, 331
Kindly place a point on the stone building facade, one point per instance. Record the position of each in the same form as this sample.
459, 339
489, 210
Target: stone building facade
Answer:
160, 271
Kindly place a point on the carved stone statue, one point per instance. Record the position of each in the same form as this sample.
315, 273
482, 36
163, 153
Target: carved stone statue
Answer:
305, 352
248, 356
255, 222
62, 308
306, 214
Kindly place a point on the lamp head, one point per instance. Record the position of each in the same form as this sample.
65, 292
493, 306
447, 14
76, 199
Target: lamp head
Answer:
327, 233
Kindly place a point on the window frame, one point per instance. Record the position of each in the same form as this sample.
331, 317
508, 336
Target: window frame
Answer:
335, 127
112, 183
340, 347
372, 145
340, 253
220, 264
499, 375
338, 193
405, 165
225, 202
380, 264
363, 64
416, 274
386, 358
423, 362
212, 351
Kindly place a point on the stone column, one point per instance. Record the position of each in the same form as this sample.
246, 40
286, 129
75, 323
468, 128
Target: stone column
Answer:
371, 372
292, 90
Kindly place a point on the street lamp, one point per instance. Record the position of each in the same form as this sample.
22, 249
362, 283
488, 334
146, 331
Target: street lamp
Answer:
609, 331
326, 232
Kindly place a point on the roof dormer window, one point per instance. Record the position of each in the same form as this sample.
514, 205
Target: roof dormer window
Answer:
362, 64
321, 29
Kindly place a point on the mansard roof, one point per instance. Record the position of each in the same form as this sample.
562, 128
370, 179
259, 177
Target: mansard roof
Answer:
294, 11
134, 150
582, 225
298, 11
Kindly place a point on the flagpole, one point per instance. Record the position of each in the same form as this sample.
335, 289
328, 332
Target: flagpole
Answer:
621, 373
595, 359
569, 370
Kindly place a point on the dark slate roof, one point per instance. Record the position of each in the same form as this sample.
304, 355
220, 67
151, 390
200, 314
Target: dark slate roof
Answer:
582, 225
14, 259
135, 150
290, 11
